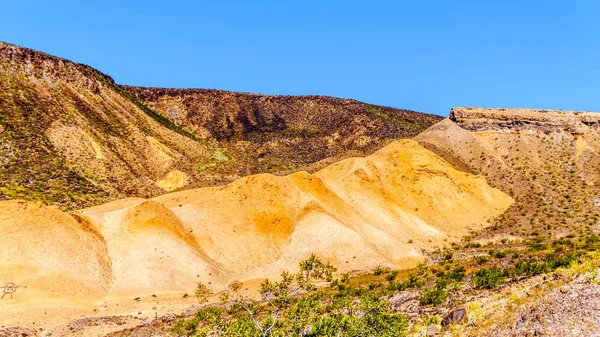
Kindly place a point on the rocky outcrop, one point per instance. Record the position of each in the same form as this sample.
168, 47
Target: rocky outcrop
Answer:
489, 119
549, 161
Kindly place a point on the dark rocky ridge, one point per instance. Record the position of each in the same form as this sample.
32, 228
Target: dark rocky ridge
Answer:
281, 134
232, 115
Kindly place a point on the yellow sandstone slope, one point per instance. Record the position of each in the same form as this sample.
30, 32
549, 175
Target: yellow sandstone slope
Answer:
358, 213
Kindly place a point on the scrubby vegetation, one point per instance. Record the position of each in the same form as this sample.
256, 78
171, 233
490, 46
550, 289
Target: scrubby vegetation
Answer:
364, 305
294, 306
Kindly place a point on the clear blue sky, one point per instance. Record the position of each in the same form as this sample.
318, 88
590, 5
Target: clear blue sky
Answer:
420, 55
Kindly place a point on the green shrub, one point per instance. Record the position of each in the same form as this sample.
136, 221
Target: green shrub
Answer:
380, 270
447, 257
481, 259
376, 320
392, 276
488, 278
433, 296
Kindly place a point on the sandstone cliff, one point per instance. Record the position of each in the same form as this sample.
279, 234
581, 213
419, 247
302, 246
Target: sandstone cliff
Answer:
482, 119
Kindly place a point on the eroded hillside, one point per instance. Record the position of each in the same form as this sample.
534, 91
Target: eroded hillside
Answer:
359, 213
547, 160
71, 137
261, 133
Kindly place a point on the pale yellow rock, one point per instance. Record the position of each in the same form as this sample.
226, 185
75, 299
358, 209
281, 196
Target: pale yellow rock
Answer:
173, 180
51, 253
383, 209
160, 151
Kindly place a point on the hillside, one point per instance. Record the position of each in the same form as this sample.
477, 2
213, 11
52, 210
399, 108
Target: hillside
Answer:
547, 160
139, 247
521, 265
262, 133
71, 137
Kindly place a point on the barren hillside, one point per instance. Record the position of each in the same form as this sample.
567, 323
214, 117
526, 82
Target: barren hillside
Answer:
71, 137
547, 160
358, 214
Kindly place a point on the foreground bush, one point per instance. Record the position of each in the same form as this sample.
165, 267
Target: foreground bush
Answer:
293, 306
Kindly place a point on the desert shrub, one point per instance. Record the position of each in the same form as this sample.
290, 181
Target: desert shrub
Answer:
377, 319
347, 291
488, 278
480, 260
434, 296
397, 286
413, 281
202, 293
204, 320
373, 286
457, 274
380, 270
392, 276
536, 247
447, 257
591, 242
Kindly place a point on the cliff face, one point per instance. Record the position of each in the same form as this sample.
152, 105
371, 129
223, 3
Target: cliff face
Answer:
71, 137
484, 119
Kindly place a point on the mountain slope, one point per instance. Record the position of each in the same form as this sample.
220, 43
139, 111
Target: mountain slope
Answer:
262, 133
71, 137
259, 225
547, 160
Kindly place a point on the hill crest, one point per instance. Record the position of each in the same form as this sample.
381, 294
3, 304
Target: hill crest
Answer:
70, 136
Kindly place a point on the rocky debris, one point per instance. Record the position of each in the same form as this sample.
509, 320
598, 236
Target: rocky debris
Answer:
432, 330
85, 322
485, 119
191, 310
456, 316
16, 332
406, 302
570, 310
159, 327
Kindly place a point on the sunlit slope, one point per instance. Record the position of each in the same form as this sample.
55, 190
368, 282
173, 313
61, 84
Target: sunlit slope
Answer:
359, 213
548, 160
51, 253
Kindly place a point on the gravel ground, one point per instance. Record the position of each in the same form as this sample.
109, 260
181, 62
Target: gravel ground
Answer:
569, 310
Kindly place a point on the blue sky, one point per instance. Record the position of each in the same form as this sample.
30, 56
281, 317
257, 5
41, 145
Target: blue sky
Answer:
421, 55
